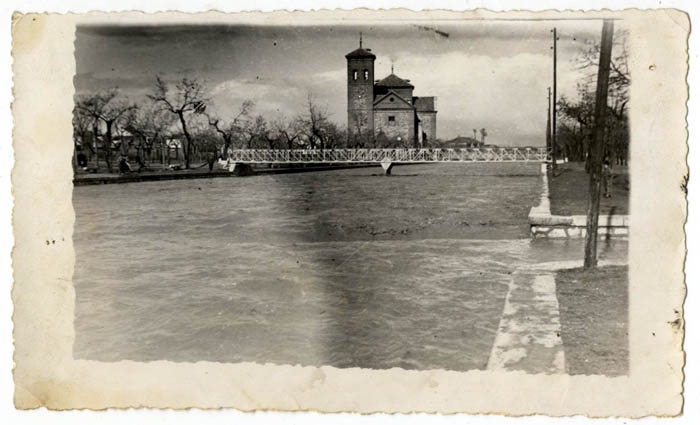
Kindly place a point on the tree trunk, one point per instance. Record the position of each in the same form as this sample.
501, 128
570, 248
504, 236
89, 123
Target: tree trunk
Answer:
108, 158
227, 145
188, 141
107, 145
96, 151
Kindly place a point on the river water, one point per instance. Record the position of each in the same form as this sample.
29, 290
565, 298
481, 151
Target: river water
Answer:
347, 268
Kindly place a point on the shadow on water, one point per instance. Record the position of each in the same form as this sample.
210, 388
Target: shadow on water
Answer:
352, 282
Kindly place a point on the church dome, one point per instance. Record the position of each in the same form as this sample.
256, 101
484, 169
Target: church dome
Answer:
392, 81
360, 53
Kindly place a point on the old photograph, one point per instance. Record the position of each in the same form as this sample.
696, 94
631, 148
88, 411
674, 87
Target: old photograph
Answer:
379, 194
414, 196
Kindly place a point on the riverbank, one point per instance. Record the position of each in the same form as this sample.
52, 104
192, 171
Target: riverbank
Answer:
85, 179
568, 191
563, 206
593, 309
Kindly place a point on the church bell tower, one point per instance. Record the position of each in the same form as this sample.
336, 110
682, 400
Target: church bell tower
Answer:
360, 94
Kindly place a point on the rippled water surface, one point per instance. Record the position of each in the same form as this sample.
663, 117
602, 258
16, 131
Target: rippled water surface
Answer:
347, 268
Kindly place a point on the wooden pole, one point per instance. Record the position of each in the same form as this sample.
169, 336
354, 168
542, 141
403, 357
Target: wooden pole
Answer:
596, 159
554, 104
549, 119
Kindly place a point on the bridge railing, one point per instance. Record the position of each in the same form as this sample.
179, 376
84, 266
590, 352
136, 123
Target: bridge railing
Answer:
505, 154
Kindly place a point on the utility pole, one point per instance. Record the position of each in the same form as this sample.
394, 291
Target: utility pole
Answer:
554, 103
596, 151
549, 119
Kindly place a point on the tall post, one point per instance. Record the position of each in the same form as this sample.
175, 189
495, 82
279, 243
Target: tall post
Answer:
554, 102
549, 119
596, 151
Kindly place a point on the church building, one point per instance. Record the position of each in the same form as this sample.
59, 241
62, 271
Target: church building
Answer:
386, 109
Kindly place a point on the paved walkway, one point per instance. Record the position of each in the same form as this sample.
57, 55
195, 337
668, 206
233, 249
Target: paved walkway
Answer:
529, 334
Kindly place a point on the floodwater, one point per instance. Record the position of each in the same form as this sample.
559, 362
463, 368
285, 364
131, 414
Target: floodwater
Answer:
347, 268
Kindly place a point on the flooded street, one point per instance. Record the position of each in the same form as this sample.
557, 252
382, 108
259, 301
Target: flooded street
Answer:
347, 268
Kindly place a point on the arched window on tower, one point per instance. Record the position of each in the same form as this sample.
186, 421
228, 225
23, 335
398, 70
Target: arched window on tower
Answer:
366, 75
354, 75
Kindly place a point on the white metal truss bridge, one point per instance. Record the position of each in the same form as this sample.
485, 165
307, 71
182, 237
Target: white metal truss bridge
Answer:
386, 156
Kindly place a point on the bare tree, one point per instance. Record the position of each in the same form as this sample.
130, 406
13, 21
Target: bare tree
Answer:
575, 123
577, 117
150, 124
335, 136
359, 136
619, 80
253, 131
83, 127
266, 132
287, 130
314, 123
230, 131
109, 109
187, 98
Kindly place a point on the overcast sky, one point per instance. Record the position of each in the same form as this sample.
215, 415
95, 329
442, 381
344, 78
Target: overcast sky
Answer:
490, 74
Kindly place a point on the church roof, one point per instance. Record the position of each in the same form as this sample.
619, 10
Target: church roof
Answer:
361, 53
378, 99
393, 81
424, 104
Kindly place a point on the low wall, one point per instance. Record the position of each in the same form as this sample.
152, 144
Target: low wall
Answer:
545, 225
92, 179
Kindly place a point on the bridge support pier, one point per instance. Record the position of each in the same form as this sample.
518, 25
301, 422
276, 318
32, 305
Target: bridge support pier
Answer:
241, 169
387, 166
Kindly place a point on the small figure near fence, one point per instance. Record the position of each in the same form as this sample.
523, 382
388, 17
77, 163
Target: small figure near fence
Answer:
124, 166
82, 160
211, 160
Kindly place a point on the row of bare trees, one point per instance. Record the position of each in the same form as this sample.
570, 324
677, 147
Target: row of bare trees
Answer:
182, 111
575, 117
98, 117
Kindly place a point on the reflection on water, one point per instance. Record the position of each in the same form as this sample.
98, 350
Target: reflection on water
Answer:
341, 268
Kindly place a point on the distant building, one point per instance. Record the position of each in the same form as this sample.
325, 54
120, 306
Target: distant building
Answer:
386, 108
461, 142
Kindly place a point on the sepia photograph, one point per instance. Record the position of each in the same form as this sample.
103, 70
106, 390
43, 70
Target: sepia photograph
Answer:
444, 203
397, 195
